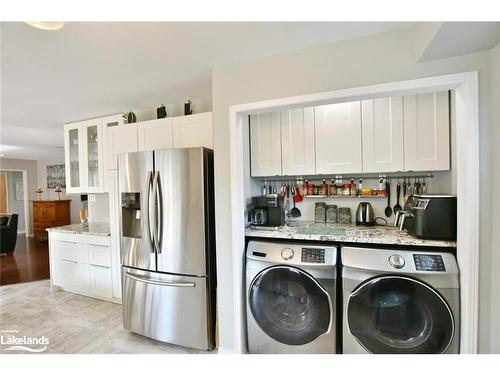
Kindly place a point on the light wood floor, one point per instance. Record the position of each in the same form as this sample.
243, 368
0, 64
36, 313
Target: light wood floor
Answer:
74, 324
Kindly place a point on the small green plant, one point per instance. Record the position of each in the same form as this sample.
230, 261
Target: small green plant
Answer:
130, 117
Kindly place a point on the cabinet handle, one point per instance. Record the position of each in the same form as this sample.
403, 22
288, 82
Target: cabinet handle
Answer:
99, 266
68, 261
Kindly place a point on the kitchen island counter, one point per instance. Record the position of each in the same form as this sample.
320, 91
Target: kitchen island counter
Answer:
95, 229
382, 235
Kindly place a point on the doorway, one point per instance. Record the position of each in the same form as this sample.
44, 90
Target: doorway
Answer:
465, 87
13, 197
30, 259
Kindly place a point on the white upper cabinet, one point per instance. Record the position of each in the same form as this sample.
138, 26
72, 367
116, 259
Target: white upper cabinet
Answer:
382, 128
338, 138
73, 154
265, 144
84, 157
155, 134
93, 148
121, 139
193, 130
297, 141
427, 132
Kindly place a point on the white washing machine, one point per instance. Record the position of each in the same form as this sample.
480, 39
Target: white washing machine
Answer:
400, 301
290, 298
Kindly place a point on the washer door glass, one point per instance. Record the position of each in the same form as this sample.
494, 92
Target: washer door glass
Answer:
289, 305
394, 314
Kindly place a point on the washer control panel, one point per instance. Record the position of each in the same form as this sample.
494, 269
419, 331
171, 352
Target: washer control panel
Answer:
306, 254
429, 262
313, 255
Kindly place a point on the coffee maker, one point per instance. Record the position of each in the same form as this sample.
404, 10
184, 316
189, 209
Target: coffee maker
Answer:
266, 212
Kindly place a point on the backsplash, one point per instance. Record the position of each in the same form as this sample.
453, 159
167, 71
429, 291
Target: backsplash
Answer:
439, 184
98, 206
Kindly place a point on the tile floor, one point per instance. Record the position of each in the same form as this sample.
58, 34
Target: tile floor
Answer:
74, 324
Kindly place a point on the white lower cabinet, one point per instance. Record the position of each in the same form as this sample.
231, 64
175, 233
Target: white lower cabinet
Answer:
71, 275
84, 265
101, 283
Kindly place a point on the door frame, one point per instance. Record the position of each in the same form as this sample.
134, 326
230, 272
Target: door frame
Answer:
3, 172
27, 213
465, 86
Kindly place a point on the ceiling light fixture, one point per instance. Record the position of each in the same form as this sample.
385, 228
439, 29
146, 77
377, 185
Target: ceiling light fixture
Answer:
46, 25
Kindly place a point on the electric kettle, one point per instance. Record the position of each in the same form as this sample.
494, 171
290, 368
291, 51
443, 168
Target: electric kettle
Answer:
365, 215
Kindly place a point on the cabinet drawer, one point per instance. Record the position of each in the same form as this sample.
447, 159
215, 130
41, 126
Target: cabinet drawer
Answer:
73, 251
100, 255
71, 275
100, 281
99, 240
69, 237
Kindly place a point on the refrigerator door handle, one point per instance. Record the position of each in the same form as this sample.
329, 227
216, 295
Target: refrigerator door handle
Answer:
150, 210
157, 282
155, 213
159, 207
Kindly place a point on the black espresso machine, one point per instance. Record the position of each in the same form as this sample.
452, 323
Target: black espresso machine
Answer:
430, 216
266, 212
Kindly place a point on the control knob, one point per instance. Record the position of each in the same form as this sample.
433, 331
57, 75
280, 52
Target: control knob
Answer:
287, 253
397, 261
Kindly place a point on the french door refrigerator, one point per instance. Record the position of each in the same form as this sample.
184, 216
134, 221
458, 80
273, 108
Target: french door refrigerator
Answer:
168, 245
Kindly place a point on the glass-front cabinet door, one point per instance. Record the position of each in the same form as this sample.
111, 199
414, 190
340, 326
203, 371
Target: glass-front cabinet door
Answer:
73, 154
93, 157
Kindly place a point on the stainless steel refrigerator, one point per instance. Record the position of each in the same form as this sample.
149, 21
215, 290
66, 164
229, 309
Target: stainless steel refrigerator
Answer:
168, 245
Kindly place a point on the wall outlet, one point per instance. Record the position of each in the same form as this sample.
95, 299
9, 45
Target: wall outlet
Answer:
92, 197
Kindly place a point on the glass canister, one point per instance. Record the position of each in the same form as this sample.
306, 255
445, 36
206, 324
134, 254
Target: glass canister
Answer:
320, 212
345, 215
332, 214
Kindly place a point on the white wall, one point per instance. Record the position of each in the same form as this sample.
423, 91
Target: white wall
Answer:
370, 60
49, 194
31, 167
495, 181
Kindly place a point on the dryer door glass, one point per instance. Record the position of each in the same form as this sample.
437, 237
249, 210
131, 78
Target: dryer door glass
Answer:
289, 305
396, 314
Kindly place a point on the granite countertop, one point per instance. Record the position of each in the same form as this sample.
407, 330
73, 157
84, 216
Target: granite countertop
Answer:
95, 229
307, 230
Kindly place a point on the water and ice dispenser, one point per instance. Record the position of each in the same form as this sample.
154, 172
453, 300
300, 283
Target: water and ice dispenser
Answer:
131, 215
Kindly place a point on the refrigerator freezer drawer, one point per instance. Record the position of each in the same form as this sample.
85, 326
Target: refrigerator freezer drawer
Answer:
168, 308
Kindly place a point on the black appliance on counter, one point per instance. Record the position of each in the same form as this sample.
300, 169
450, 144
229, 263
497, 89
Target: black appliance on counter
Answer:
266, 212
430, 217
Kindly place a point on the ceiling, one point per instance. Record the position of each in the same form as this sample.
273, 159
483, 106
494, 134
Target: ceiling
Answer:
459, 38
89, 70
